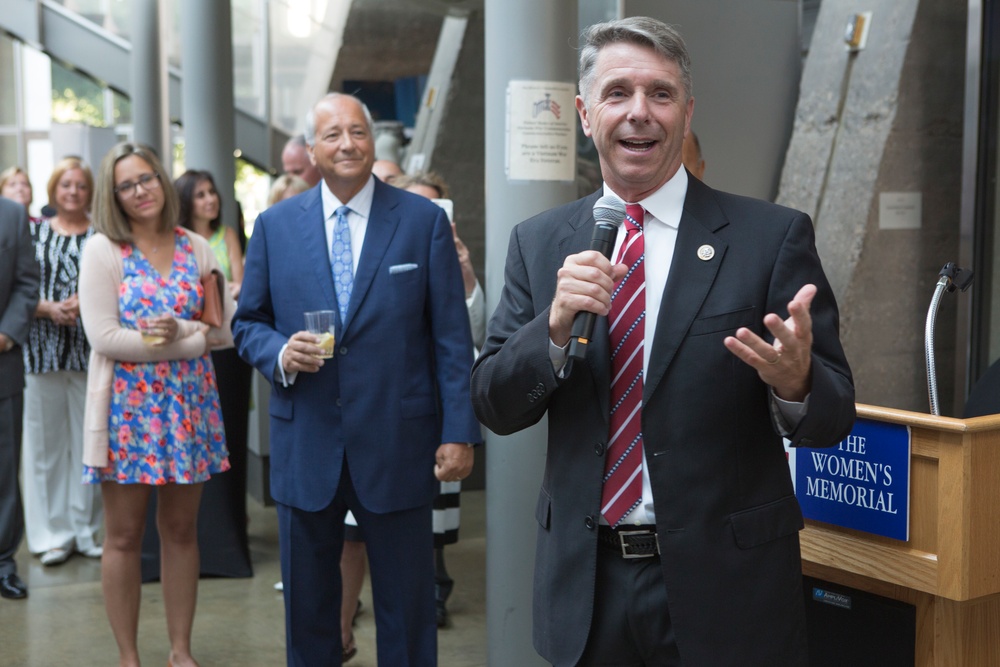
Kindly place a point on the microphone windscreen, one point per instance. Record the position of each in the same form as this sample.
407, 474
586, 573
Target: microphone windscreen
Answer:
609, 209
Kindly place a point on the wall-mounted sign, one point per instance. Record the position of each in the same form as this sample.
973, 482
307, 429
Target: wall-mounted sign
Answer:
541, 131
862, 483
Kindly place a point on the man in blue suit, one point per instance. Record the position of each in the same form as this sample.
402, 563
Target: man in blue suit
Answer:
370, 428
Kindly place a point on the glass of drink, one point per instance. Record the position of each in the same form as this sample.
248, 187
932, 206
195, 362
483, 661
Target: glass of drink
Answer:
320, 323
151, 334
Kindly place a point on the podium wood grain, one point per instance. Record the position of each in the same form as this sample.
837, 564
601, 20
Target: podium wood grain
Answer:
950, 567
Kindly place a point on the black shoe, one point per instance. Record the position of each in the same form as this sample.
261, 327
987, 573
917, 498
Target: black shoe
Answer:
12, 588
441, 614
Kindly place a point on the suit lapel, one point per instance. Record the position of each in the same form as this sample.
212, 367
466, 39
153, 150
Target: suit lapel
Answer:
382, 224
312, 231
689, 281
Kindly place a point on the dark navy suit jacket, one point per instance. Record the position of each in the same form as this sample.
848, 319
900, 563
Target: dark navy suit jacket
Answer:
398, 383
726, 517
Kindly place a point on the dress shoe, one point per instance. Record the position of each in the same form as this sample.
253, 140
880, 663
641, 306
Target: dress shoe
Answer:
92, 552
12, 588
55, 556
350, 650
441, 614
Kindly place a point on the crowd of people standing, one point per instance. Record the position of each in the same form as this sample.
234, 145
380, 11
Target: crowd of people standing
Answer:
132, 401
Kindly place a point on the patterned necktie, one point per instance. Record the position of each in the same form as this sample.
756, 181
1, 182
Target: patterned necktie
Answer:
342, 261
622, 491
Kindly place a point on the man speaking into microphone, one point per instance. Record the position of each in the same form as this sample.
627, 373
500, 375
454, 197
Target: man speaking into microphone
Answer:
668, 527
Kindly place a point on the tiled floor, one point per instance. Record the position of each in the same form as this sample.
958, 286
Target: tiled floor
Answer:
239, 622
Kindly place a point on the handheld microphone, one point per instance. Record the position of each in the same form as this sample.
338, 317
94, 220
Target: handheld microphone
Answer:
609, 213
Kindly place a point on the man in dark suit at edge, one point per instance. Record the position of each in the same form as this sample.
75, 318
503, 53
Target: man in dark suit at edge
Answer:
370, 428
19, 278
668, 528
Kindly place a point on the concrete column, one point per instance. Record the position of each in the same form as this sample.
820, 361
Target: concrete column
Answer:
525, 39
148, 80
207, 95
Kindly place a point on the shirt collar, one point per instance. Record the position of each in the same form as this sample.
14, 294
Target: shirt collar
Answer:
666, 203
360, 203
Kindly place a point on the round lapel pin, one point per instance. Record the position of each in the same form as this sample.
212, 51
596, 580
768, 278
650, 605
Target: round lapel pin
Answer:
706, 252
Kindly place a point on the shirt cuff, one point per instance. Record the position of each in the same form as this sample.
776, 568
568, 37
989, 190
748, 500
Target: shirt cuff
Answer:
787, 415
279, 370
558, 356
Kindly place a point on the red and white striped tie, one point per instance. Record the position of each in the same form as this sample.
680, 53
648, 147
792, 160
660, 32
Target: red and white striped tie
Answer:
622, 491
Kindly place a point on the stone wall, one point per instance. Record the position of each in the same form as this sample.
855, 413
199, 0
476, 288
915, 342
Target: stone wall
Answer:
888, 119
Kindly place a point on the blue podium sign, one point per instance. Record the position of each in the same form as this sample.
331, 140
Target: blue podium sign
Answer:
862, 483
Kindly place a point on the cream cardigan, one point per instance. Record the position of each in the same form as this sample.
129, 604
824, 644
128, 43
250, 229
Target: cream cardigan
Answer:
101, 272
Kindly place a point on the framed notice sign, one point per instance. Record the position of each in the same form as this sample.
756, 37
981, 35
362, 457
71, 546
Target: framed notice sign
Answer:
541, 131
861, 483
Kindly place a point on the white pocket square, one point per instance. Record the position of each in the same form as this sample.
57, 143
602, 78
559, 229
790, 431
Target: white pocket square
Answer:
401, 268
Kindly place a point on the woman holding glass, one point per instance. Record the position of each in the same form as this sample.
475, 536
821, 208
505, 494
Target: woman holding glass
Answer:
152, 415
61, 514
222, 531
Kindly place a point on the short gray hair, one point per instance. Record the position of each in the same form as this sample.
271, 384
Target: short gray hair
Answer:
310, 133
640, 30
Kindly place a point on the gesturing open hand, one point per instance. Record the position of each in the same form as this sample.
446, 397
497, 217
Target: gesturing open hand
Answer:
786, 364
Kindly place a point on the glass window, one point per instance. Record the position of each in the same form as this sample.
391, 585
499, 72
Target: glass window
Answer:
252, 186
248, 57
36, 82
76, 98
8, 151
111, 15
8, 82
121, 108
306, 36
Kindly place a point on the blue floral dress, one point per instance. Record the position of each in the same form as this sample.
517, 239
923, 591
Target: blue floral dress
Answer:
166, 423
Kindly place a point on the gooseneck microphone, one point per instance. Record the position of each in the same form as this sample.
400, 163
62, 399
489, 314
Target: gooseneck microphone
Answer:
609, 213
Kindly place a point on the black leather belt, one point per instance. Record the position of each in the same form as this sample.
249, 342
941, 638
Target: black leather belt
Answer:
630, 541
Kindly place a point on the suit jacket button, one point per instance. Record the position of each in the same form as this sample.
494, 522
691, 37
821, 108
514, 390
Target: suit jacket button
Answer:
589, 523
338, 402
599, 449
343, 351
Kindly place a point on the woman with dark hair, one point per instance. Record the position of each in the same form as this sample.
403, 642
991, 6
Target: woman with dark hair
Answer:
152, 416
201, 212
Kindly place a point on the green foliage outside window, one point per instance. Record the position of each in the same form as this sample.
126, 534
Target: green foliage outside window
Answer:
76, 98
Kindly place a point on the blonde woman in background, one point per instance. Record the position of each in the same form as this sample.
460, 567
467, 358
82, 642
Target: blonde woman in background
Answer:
152, 415
285, 186
61, 514
14, 185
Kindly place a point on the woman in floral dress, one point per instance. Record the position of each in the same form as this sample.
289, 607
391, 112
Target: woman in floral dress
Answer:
152, 415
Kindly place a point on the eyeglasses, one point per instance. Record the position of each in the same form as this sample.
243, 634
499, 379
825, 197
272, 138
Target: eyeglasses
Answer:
148, 182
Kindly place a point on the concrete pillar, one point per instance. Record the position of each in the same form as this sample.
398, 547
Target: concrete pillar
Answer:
148, 80
207, 95
525, 39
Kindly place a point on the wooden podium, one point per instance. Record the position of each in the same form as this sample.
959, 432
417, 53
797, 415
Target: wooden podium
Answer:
950, 568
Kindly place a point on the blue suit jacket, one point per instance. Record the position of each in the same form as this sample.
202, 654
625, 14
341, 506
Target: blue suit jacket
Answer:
398, 383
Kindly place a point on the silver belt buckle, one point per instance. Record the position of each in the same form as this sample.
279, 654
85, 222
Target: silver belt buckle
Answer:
625, 554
